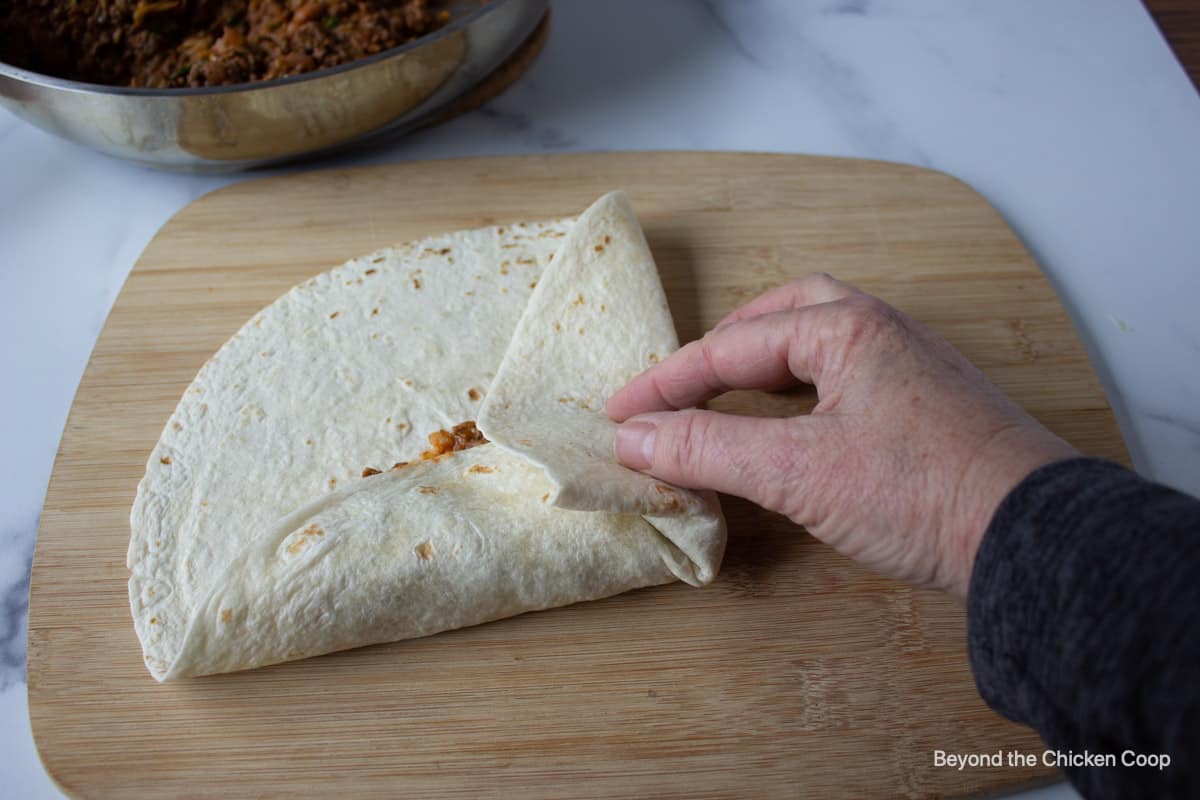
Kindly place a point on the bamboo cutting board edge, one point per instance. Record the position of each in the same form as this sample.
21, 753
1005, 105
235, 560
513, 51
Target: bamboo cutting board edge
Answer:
920, 221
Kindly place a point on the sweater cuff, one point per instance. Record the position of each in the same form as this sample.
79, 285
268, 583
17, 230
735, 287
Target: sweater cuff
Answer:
1082, 621
1023, 579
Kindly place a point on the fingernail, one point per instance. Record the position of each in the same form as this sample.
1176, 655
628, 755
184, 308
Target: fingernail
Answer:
635, 444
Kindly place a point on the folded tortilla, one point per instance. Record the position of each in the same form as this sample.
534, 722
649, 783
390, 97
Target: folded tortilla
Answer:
255, 537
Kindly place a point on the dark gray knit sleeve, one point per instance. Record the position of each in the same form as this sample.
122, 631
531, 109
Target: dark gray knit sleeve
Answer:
1084, 623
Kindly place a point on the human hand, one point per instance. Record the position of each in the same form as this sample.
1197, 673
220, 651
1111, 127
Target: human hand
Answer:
901, 464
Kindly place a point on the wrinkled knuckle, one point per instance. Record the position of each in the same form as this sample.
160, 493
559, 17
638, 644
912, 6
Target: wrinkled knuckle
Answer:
776, 478
670, 386
890, 317
867, 316
847, 328
866, 306
683, 448
659, 388
820, 279
712, 370
798, 326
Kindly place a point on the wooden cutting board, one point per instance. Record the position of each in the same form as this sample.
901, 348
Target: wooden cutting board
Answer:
795, 674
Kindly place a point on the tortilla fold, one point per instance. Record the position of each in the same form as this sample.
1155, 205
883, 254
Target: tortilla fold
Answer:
255, 538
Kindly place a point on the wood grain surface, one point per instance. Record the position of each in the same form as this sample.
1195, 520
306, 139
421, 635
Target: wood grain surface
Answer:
795, 674
1179, 21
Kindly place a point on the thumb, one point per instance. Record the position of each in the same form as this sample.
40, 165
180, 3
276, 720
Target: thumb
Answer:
760, 459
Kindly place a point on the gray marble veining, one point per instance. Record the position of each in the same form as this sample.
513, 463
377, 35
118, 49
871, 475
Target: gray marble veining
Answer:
17, 544
719, 14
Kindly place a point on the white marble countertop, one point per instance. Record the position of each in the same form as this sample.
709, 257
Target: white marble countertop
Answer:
1072, 117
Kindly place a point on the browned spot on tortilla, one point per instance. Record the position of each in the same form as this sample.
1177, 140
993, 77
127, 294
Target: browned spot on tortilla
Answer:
673, 500
510, 246
165, 460
370, 272
576, 401
226, 615
480, 469
424, 551
176, 426
369, 471
599, 248
428, 489
578, 301
308, 442
607, 238
349, 283
557, 327
301, 541
445, 251
545, 497
470, 293
401, 426
549, 258
533, 285
551, 234
581, 331
504, 290
526, 260
653, 358
374, 312
603, 307
388, 420
500, 231
334, 315
525, 442
398, 465
416, 283
377, 260
154, 620
332, 482
473, 394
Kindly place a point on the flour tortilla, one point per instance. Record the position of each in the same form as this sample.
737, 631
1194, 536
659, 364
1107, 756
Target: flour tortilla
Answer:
254, 538
596, 319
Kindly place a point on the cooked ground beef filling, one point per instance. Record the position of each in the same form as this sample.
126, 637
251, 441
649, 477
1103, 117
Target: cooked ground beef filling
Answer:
462, 436
177, 43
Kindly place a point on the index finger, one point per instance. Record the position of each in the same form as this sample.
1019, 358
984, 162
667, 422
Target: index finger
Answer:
811, 290
769, 352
